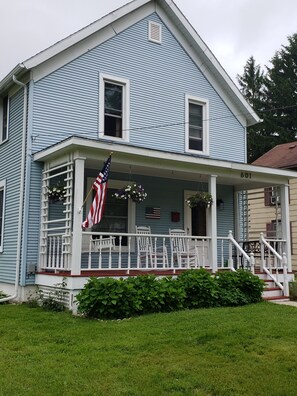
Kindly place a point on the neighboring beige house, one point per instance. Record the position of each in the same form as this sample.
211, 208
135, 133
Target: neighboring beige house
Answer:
264, 206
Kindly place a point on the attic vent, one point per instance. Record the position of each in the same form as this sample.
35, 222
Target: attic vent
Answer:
155, 32
292, 146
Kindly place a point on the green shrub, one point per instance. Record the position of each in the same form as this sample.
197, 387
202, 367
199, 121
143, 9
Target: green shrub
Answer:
251, 285
108, 298
239, 288
229, 293
157, 294
200, 289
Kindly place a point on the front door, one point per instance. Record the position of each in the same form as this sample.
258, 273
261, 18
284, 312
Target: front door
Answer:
195, 220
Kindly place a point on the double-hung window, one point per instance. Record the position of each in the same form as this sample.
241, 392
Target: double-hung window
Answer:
196, 125
2, 197
114, 101
4, 111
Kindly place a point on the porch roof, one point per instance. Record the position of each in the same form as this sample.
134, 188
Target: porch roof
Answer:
164, 164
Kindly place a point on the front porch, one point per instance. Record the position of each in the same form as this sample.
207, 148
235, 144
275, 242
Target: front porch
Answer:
114, 249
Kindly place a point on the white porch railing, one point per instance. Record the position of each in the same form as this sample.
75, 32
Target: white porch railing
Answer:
236, 255
106, 251
116, 251
272, 261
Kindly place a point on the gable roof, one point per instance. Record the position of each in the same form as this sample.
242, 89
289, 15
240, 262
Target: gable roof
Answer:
282, 156
115, 22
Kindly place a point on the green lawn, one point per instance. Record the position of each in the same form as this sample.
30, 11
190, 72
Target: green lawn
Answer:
250, 350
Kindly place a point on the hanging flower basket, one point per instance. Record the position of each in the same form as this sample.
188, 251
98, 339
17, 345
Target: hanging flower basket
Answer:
132, 191
56, 193
200, 199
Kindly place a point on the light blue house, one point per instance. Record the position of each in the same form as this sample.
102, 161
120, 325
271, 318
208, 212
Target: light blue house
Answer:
142, 84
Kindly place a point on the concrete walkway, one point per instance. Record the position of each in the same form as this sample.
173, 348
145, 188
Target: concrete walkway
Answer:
292, 303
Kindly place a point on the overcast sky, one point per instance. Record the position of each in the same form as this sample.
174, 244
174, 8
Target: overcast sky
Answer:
232, 29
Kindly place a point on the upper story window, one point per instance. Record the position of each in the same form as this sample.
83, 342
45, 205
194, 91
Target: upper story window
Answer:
2, 196
196, 125
4, 111
114, 106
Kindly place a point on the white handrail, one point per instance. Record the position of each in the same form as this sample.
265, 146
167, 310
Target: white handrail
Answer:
283, 259
239, 249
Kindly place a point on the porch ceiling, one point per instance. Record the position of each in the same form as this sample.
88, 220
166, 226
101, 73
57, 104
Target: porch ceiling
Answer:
127, 158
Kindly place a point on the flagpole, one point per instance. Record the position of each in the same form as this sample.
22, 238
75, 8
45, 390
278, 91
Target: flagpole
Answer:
85, 200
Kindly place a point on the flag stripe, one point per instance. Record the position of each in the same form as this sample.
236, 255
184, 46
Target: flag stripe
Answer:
97, 208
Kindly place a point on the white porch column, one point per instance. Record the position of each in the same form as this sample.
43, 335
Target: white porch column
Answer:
285, 222
212, 223
77, 215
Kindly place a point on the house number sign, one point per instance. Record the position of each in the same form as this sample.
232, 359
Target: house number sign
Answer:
246, 175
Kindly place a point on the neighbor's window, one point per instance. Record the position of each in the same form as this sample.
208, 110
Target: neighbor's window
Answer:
2, 192
114, 108
4, 119
196, 125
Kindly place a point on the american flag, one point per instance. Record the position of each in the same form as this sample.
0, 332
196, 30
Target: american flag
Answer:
100, 186
152, 213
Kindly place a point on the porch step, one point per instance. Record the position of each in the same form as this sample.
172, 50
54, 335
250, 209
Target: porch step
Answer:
271, 291
277, 298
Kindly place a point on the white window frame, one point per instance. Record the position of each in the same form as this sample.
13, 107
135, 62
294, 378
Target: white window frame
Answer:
118, 184
2, 188
1, 120
205, 124
125, 83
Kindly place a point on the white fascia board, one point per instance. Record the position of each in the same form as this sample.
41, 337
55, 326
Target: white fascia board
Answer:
208, 64
88, 38
153, 158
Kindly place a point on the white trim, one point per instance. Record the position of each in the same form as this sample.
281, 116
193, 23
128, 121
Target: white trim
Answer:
172, 161
125, 83
2, 188
1, 119
205, 124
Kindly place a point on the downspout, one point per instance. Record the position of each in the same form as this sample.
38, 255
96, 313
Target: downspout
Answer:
21, 201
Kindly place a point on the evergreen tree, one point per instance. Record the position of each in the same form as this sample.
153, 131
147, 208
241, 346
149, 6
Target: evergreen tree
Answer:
274, 98
253, 89
281, 93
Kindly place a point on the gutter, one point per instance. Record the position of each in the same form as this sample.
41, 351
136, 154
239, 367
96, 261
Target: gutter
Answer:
21, 200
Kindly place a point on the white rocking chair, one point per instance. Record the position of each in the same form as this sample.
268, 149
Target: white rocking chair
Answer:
182, 252
149, 255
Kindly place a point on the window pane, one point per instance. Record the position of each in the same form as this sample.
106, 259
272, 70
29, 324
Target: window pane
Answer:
195, 132
195, 127
113, 103
195, 114
195, 144
113, 99
113, 126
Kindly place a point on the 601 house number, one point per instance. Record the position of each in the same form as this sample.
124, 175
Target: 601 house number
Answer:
246, 175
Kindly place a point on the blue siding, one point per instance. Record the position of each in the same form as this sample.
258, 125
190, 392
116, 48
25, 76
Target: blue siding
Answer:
10, 164
66, 102
34, 217
168, 194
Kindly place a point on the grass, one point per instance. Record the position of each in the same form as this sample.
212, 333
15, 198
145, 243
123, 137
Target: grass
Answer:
248, 350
